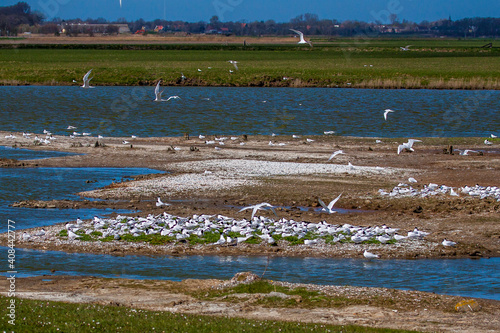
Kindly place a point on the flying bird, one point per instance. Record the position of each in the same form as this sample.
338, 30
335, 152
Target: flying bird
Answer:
407, 145
329, 208
260, 206
335, 153
406, 48
301, 35
86, 80
160, 203
386, 112
234, 63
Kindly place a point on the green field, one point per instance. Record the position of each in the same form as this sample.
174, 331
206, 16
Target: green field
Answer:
43, 316
436, 64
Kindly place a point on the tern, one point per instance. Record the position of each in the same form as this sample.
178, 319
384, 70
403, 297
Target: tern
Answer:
86, 80
493, 136
234, 63
71, 127
329, 132
301, 35
486, 142
407, 145
406, 48
467, 151
159, 203
260, 206
329, 208
412, 180
448, 243
369, 255
158, 93
386, 111
335, 153
172, 97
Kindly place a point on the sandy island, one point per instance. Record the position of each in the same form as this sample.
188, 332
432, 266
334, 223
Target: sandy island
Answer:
200, 179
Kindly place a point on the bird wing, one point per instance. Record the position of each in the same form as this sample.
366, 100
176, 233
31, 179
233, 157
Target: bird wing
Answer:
322, 203
157, 89
245, 208
85, 78
298, 33
400, 148
330, 205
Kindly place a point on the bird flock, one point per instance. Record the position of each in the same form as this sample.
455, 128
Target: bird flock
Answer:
405, 190
223, 230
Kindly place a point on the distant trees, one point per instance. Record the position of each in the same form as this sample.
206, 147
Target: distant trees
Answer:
11, 17
20, 18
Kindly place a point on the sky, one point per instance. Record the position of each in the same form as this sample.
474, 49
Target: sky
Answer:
262, 10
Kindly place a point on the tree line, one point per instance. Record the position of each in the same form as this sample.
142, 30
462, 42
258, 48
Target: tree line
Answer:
19, 18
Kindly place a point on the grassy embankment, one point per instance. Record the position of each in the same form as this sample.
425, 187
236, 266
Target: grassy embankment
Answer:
43, 316
370, 63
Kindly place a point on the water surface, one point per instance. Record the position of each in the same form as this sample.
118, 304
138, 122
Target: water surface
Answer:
126, 111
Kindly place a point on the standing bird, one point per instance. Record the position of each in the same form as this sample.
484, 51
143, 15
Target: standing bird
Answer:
301, 35
386, 112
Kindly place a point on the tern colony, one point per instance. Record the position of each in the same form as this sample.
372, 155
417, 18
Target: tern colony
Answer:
219, 230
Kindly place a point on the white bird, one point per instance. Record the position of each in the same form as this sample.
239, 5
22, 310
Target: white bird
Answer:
386, 111
221, 240
260, 206
486, 142
335, 153
329, 208
493, 136
412, 180
79, 221
41, 233
201, 137
448, 243
86, 80
71, 127
26, 236
453, 193
406, 48
158, 93
125, 142
329, 132
407, 145
309, 140
301, 35
378, 141
159, 203
467, 151
234, 63
369, 255
182, 77
351, 167
172, 97
72, 235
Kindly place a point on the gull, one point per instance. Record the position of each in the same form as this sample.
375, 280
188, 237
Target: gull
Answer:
260, 206
159, 203
234, 63
448, 243
158, 93
335, 153
330, 205
370, 255
407, 145
386, 111
86, 80
486, 142
406, 48
301, 35
329, 132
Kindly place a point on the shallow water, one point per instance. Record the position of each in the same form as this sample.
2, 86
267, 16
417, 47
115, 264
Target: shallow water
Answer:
464, 277
26, 154
111, 111
52, 183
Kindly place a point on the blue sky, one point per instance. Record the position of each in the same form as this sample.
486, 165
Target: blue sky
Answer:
278, 10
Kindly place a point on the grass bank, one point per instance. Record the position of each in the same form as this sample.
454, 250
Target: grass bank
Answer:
345, 63
43, 316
